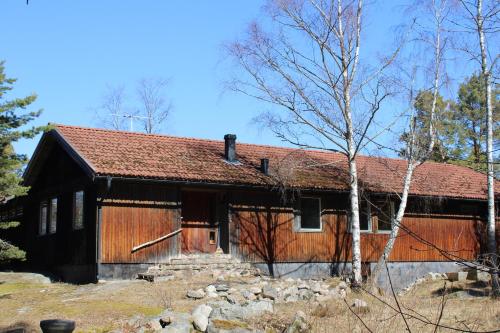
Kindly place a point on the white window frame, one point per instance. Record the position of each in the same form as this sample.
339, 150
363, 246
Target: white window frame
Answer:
82, 226
43, 204
52, 223
391, 205
298, 217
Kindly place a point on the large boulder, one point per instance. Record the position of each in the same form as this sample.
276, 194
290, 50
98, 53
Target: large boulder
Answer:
200, 317
175, 322
269, 292
195, 294
306, 294
316, 287
228, 311
179, 328
255, 290
221, 288
248, 295
291, 294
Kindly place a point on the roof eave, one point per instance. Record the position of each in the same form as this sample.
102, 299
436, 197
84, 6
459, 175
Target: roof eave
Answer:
37, 157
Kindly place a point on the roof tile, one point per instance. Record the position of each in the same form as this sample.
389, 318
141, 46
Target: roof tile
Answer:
127, 154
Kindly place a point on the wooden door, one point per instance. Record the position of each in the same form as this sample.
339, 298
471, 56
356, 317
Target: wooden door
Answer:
199, 228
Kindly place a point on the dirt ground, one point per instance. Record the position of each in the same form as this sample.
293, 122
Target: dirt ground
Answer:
103, 307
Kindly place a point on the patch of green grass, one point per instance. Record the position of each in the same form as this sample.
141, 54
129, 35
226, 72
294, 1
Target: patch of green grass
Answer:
10, 288
90, 307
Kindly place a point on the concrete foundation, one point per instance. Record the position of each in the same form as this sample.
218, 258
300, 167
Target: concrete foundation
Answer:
402, 273
305, 270
121, 271
405, 273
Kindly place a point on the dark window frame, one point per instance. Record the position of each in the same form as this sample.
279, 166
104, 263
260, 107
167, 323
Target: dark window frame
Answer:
298, 216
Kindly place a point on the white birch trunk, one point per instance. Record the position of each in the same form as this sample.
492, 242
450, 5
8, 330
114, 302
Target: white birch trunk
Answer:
412, 149
396, 225
354, 199
491, 232
356, 236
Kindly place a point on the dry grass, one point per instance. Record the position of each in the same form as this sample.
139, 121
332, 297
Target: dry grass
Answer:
94, 307
103, 307
477, 313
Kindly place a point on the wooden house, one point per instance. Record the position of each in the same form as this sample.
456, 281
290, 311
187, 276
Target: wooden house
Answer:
108, 204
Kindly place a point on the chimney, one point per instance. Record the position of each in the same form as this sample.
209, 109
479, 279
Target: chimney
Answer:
264, 165
230, 147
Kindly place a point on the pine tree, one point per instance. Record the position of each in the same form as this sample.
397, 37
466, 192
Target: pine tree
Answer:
13, 121
460, 125
469, 116
442, 124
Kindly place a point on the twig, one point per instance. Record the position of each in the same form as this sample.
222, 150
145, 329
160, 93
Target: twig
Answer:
395, 297
442, 305
425, 320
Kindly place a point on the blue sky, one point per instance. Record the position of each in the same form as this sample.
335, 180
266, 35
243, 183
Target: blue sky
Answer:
68, 52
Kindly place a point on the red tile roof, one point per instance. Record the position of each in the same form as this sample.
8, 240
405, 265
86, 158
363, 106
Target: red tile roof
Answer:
127, 154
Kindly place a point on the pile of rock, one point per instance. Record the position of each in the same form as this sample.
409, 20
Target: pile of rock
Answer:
214, 317
228, 305
278, 291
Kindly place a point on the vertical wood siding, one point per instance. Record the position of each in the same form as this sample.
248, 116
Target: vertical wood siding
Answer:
147, 214
267, 235
198, 220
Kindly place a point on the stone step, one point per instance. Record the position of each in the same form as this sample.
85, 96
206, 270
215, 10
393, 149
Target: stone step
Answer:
195, 262
203, 261
205, 255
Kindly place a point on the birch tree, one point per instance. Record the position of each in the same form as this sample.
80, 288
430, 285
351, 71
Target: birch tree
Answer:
149, 106
420, 140
482, 21
154, 108
306, 64
112, 108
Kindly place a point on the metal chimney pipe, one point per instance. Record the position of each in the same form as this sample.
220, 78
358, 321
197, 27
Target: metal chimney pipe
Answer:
264, 165
230, 147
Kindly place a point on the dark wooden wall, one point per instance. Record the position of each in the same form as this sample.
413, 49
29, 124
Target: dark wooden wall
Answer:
265, 233
67, 251
133, 214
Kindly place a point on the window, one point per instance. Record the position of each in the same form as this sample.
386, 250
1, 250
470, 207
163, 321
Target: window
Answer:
211, 237
386, 217
309, 215
42, 222
78, 210
53, 216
